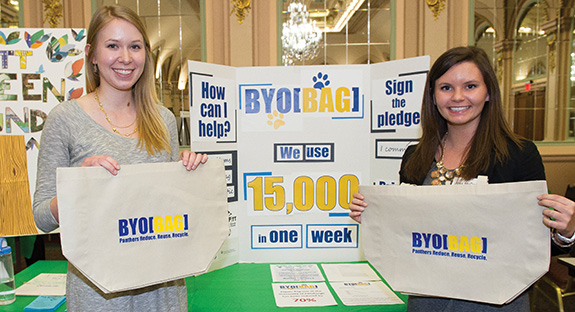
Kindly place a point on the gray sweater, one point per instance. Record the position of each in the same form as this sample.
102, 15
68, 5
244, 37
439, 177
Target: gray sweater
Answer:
70, 135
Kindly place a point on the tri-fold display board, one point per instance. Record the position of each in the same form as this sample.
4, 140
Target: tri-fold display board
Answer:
298, 142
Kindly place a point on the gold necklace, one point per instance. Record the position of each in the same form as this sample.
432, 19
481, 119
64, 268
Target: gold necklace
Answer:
442, 175
114, 127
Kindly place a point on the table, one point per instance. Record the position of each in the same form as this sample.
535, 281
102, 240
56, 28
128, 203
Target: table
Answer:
570, 263
239, 287
247, 287
28, 274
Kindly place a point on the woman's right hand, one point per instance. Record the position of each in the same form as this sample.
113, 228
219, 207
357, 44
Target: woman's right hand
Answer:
54, 209
357, 206
103, 161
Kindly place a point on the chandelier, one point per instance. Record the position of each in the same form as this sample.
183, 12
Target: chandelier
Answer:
300, 36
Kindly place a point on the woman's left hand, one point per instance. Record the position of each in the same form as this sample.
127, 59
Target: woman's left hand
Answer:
191, 160
562, 216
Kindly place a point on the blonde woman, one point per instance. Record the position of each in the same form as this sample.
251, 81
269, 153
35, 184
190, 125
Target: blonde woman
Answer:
117, 122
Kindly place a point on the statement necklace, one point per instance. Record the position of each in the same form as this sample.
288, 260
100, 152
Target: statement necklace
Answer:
442, 175
114, 127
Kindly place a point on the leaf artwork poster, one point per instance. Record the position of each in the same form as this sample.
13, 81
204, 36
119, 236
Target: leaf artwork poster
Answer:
40, 69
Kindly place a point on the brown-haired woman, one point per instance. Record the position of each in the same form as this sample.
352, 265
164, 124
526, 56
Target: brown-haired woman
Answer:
465, 135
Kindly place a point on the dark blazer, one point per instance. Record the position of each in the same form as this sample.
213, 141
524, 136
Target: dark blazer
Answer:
522, 165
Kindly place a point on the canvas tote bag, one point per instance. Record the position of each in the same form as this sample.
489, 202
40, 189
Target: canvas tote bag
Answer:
484, 243
149, 224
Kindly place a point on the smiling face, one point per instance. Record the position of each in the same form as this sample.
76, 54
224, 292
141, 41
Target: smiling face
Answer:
460, 95
120, 54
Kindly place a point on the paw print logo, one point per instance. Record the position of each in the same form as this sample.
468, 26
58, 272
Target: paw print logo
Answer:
320, 81
276, 119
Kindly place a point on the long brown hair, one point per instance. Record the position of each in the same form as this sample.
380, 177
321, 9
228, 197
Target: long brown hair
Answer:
492, 135
153, 134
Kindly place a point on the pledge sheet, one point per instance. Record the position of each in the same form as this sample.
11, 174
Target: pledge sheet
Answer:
302, 295
296, 273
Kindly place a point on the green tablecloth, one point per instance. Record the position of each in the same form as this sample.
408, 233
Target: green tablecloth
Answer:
28, 274
240, 287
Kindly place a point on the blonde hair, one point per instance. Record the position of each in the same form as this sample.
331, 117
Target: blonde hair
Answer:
153, 134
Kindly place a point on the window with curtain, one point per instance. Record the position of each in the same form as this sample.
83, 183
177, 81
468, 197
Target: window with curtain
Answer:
530, 64
484, 39
531, 44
